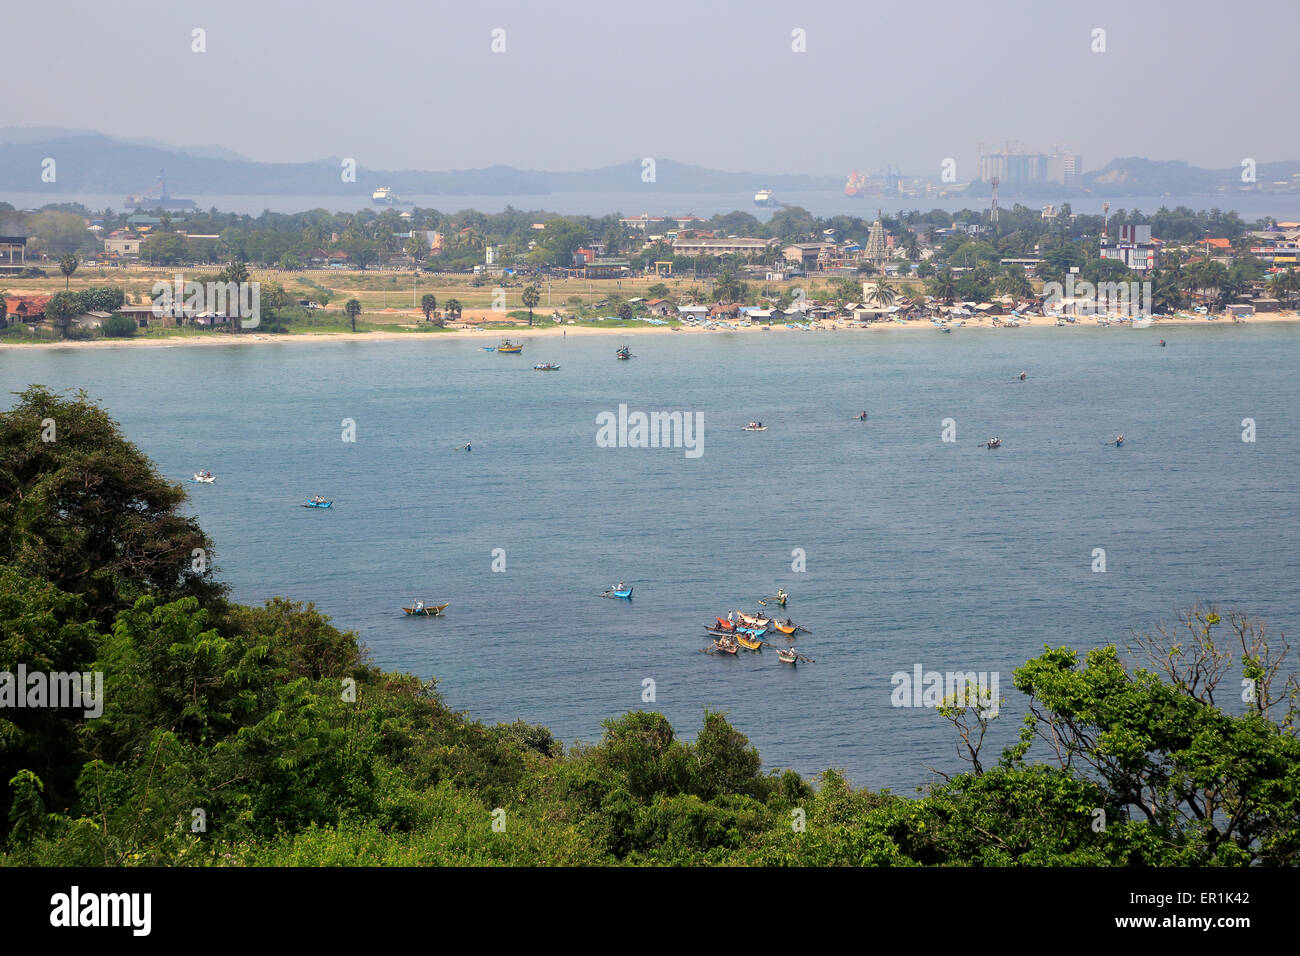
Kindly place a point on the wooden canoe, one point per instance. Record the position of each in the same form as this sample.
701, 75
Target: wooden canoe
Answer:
750, 644
429, 610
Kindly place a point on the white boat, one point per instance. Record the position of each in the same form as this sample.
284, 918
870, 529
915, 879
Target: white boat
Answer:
203, 478
764, 198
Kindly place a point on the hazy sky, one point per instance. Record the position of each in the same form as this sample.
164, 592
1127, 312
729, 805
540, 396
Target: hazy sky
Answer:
586, 84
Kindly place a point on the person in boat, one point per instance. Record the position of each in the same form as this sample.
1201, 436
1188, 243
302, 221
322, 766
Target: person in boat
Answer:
731, 616
862, 417
1119, 439
1022, 376
467, 447
419, 606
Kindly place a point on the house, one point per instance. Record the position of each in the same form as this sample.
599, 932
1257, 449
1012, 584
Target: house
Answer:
91, 320
659, 307
710, 246
13, 253
607, 269
807, 254
25, 308
122, 243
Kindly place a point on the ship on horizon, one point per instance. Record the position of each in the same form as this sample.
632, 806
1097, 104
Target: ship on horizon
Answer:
384, 196
147, 199
763, 197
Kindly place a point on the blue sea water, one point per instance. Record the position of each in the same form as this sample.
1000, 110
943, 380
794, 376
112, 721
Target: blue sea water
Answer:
918, 551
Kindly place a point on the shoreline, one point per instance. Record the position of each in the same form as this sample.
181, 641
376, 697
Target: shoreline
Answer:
253, 337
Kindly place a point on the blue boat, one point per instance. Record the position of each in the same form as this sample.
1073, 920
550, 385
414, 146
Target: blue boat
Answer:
616, 592
752, 631
319, 504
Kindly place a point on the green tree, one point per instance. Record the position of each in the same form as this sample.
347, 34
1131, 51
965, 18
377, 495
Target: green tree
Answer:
119, 327
61, 309
88, 512
530, 299
68, 265
352, 309
428, 305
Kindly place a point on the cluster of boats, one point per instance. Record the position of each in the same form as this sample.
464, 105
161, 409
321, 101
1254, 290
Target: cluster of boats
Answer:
739, 631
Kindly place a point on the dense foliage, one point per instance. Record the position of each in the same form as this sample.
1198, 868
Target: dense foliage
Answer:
239, 735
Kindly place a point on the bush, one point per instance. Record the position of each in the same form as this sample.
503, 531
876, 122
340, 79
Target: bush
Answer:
119, 327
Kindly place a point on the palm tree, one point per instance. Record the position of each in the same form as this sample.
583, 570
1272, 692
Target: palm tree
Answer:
530, 298
451, 308
882, 295
67, 265
428, 303
1014, 283
353, 309
944, 286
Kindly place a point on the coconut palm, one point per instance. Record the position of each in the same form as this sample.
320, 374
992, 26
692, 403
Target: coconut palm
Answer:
353, 309
944, 286
428, 304
882, 295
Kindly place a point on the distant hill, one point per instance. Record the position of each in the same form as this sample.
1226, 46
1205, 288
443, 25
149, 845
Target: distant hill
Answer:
92, 162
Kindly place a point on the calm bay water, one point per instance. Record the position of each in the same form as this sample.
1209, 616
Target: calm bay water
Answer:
655, 201
918, 551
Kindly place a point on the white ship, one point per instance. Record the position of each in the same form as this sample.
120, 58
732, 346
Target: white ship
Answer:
764, 198
384, 196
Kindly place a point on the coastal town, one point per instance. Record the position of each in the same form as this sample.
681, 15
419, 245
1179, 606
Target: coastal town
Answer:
421, 270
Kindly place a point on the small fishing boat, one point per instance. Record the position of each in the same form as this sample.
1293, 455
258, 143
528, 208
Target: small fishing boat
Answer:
754, 427
624, 353
788, 626
749, 643
788, 655
321, 503
204, 477
510, 348
780, 598
546, 367
725, 646
420, 609
725, 624
751, 621
618, 592
993, 443
489, 348
754, 632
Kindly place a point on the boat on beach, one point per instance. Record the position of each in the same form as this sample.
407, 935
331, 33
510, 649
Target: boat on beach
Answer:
420, 609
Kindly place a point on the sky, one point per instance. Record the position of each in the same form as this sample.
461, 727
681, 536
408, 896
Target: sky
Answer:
405, 85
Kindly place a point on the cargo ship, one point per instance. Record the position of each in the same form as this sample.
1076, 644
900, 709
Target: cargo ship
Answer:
764, 198
157, 198
856, 186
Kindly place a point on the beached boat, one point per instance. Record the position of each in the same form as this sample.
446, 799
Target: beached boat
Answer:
624, 353
203, 477
510, 348
420, 609
319, 504
546, 367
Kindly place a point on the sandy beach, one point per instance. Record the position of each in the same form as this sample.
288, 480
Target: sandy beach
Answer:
551, 330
